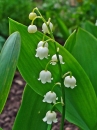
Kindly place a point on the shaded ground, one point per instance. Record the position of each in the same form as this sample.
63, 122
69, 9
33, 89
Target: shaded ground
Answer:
14, 100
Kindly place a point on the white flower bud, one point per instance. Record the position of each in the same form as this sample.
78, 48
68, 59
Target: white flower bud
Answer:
51, 26
45, 28
32, 28
41, 44
50, 97
54, 59
70, 82
32, 15
45, 76
42, 52
50, 117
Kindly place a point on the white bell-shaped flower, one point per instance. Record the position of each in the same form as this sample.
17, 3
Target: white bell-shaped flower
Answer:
50, 97
50, 117
41, 44
45, 76
32, 28
54, 59
32, 15
42, 52
45, 28
70, 81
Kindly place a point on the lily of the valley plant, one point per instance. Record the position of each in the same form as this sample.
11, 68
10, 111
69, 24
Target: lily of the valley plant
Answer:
45, 76
59, 79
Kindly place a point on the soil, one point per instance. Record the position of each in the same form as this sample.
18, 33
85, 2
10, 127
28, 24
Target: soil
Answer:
13, 103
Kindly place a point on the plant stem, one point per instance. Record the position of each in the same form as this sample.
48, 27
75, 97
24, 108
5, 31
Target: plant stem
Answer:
63, 88
60, 70
49, 127
68, 73
63, 107
47, 65
55, 85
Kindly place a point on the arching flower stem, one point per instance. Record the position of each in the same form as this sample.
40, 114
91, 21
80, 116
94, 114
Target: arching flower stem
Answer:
68, 73
43, 37
58, 83
55, 105
49, 63
37, 17
47, 41
42, 17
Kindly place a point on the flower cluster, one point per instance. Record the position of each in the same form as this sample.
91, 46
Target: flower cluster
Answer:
45, 76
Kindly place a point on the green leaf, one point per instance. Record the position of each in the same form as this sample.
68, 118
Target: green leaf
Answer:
84, 49
2, 40
81, 103
31, 112
71, 40
63, 28
8, 60
1, 129
90, 27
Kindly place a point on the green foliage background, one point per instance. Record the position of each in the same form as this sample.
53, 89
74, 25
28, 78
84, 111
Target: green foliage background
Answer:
73, 15
16, 9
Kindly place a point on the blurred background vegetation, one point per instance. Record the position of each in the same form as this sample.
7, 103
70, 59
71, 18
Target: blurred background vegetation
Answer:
66, 15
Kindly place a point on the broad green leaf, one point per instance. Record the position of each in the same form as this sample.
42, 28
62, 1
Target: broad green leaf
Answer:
8, 60
84, 49
31, 112
90, 27
81, 103
72, 41
1, 129
2, 40
63, 28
